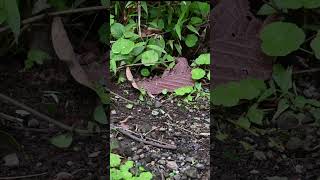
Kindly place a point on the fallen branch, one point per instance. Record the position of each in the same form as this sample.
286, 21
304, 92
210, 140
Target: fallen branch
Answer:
23, 177
133, 136
5, 98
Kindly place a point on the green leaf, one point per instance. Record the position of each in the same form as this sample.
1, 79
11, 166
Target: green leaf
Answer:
13, 17
250, 88
115, 160
183, 90
282, 77
193, 29
178, 47
145, 176
157, 48
149, 57
208, 75
255, 115
62, 140
123, 46
104, 34
282, 106
300, 101
100, 115
145, 72
164, 91
191, 40
129, 106
105, 3
244, 122
117, 30
226, 95
58, 4
266, 9
198, 73
3, 15
315, 45
144, 6
311, 4
178, 29
195, 21
290, 4
203, 59
281, 38
35, 56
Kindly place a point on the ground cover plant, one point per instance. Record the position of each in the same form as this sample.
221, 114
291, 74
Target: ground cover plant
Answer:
159, 63
267, 120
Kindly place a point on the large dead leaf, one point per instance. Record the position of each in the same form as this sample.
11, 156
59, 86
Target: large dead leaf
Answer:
85, 74
179, 76
235, 44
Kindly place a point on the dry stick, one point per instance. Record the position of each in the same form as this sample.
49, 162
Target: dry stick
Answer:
306, 71
23, 177
139, 18
160, 144
5, 98
70, 11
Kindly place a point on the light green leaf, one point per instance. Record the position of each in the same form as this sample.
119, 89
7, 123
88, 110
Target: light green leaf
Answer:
100, 115
35, 56
13, 17
244, 122
183, 90
123, 46
178, 47
117, 30
203, 59
145, 72
193, 29
195, 21
255, 115
282, 77
149, 57
191, 40
157, 48
115, 160
178, 29
3, 15
281, 38
62, 140
198, 73
315, 45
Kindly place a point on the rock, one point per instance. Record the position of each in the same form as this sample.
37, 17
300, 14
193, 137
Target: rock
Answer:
162, 162
294, 143
139, 151
155, 112
141, 156
69, 163
11, 160
157, 104
135, 157
191, 172
113, 112
287, 120
260, 155
254, 171
299, 168
200, 166
39, 164
177, 177
94, 154
33, 123
172, 165
190, 159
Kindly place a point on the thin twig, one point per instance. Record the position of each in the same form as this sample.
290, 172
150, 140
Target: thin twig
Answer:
139, 64
23, 177
306, 71
159, 144
5, 98
139, 18
41, 16
123, 98
10, 118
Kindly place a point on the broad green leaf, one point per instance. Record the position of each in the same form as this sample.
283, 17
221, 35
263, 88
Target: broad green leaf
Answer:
149, 57
178, 29
195, 21
300, 101
311, 4
35, 56
282, 77
62, 140
198, 73
315, 45
117, 30
13, 17
250, 88
192, 29
144, 6
157, 48
266, 9
281, 38
283, 105
100, 115
244, 122
226, 95
145, 176
203, 59
122, 46
255, 115
115, 160
290, 4
145, 72
191, 40
3, 15
183, 90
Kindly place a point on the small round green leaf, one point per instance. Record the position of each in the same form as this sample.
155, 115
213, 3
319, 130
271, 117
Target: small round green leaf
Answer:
123, 46
203, 59
315, 45
145, 72
191, 40
281, 38
115, 160
117, 30
62, 140
100, 115
198, 73
149, 58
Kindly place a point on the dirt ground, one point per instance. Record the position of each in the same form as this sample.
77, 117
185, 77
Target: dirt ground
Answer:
168, 120
85, 159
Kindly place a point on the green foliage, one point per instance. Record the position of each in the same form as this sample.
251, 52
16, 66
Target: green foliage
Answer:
120, 171
191, 40
281, 38
100, 115
11, 14
198, 73
35, 56
62, 140
145, 72
315, 45
183, 90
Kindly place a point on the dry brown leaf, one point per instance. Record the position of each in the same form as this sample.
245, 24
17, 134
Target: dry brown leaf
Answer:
179, 76
130, 78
